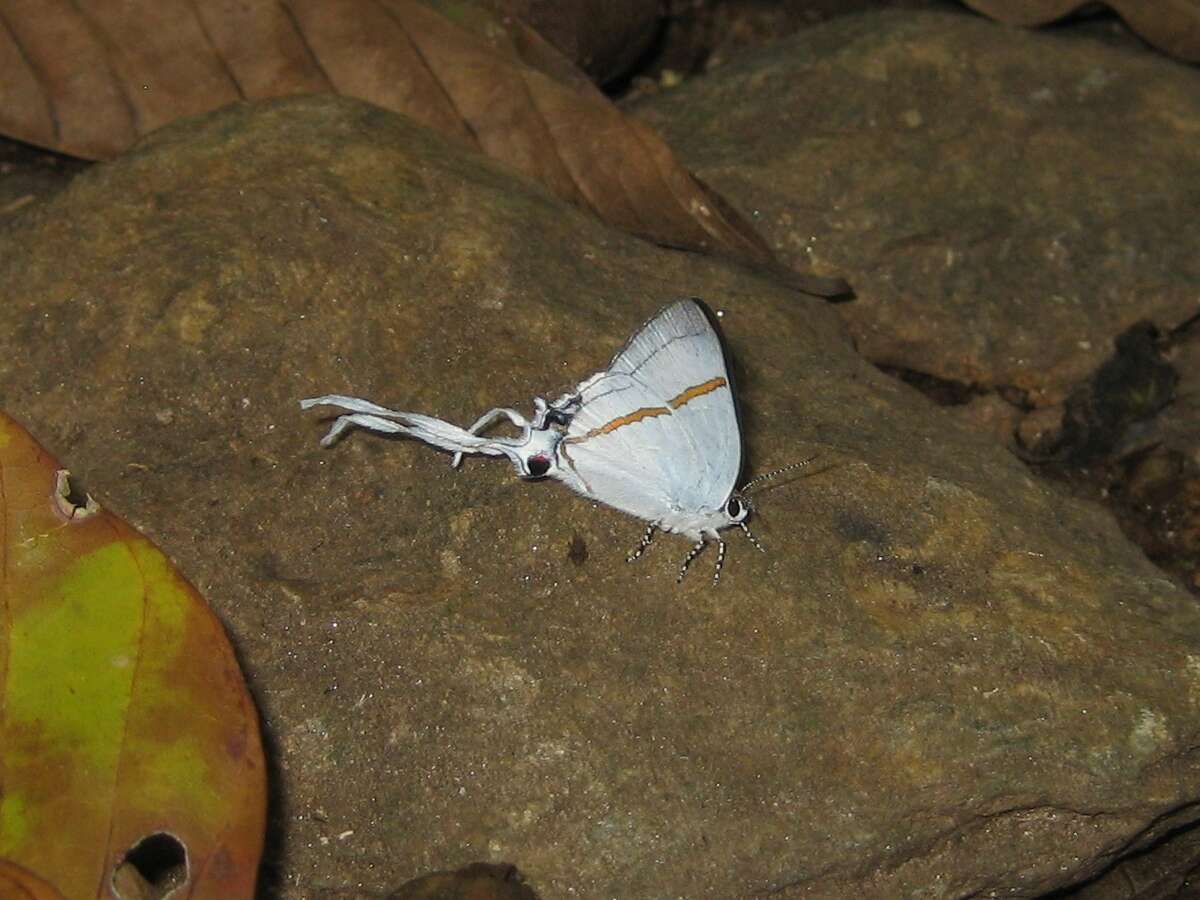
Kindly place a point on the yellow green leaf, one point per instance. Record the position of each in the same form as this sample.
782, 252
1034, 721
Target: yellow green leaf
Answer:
126, 731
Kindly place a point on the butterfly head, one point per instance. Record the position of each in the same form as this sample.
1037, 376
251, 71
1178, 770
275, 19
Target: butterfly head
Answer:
536, 465
735, 510
704, 523
535, 455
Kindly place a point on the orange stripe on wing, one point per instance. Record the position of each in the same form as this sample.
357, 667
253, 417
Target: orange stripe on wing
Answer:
646, 412
649, 412
698, 391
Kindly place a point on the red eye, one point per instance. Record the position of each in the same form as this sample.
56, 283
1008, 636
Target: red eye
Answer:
538, 466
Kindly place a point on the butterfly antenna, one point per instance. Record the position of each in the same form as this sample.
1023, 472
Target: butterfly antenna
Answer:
768, 476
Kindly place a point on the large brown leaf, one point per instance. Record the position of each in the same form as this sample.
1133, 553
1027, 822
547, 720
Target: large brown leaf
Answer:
88, 77
1171, 25
129, 747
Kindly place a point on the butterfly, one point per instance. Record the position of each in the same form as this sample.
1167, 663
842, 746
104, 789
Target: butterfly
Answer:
655, 434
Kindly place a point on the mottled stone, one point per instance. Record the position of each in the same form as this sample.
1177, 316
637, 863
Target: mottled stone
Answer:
1004, 202
990, 414
943, 679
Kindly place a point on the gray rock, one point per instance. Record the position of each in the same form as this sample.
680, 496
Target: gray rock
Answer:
942, 680
1004, 202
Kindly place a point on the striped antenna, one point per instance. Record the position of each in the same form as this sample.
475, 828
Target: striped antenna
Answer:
767, 476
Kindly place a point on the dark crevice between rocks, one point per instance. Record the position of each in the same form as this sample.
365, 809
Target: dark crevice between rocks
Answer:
621, 85
1107, 444
697, 36
30, 176
1165, 868
942, 391
1155, 496
272, 864
1130, 387
1114, 447
1188, 328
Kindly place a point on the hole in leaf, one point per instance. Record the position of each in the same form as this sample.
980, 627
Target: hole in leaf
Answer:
75, 493
152, 869
72, 500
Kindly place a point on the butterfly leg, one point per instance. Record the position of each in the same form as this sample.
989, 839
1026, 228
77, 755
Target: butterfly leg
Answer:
720, 561
687, 560
753, 539
486, 420
362, 420
643, 544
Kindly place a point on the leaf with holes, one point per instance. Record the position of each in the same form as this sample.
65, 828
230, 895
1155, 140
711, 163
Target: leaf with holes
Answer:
89, 78
130, 759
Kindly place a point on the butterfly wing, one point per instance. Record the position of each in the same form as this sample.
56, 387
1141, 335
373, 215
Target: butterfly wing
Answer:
678, 354
656, 433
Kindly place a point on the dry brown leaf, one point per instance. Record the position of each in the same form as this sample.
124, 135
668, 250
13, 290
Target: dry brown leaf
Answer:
88, 77
1170, 25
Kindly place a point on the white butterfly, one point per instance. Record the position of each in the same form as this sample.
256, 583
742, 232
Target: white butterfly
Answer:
655, 434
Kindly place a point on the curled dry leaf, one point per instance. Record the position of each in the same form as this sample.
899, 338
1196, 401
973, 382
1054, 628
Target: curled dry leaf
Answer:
129, 747
1170, 25
90, 77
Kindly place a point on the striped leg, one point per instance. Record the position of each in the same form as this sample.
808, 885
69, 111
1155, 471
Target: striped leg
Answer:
643, 544
687, 560
720, 562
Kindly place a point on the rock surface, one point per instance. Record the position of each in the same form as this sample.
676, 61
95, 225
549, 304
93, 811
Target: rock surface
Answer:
1004, 202
942, 680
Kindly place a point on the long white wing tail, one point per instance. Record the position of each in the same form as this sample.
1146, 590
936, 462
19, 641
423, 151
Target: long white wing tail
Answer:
436, 432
